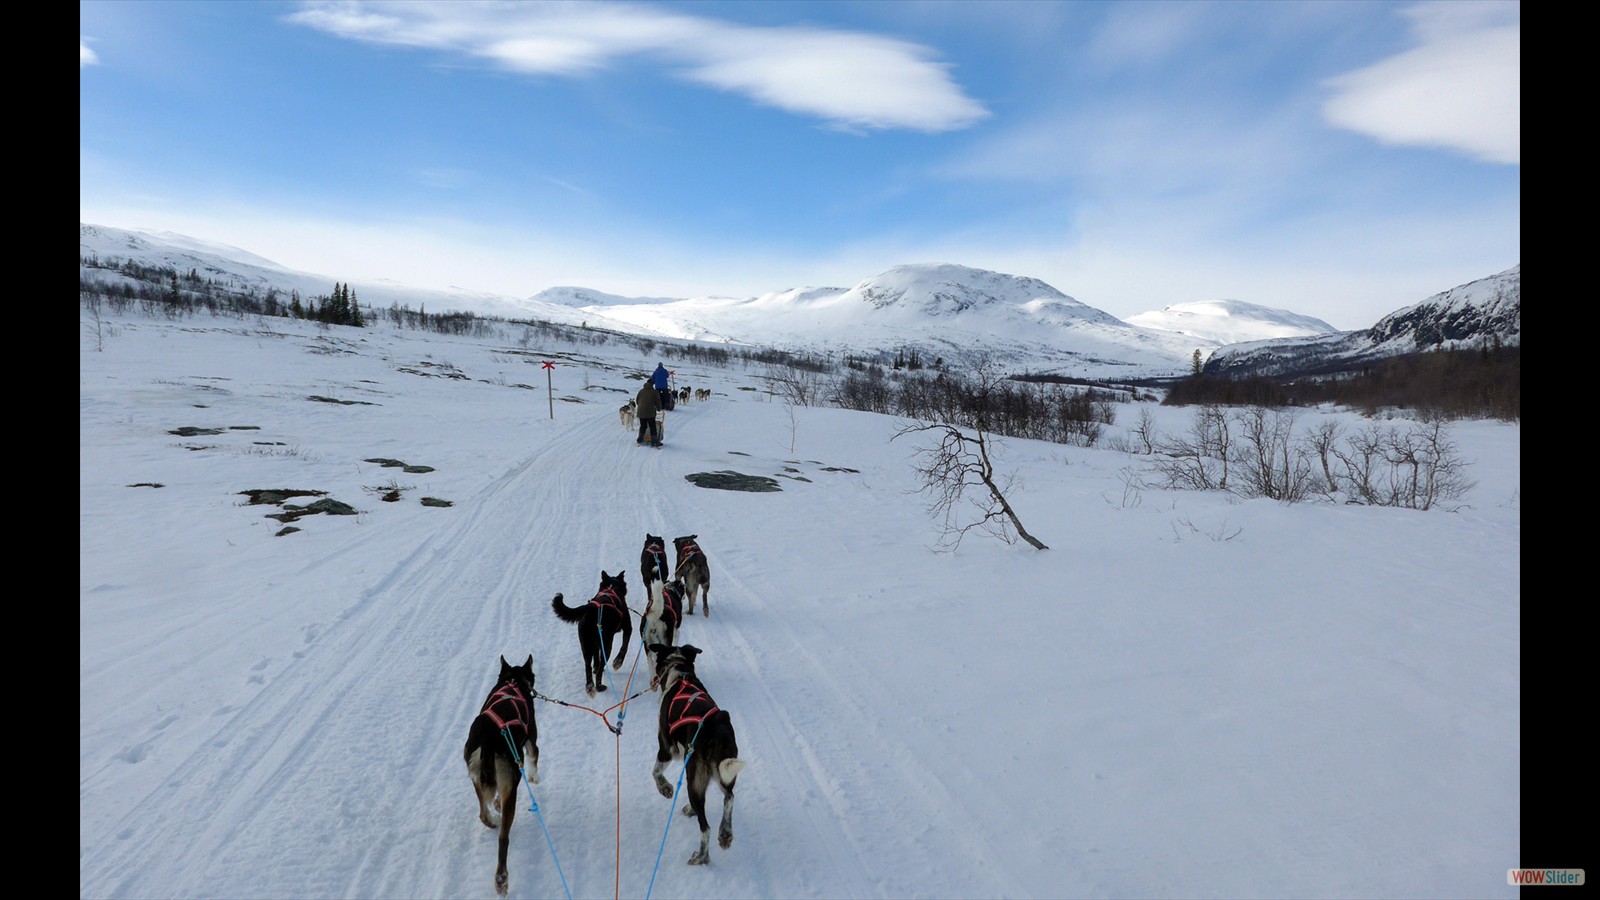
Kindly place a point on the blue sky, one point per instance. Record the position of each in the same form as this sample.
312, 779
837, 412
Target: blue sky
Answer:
1336, 159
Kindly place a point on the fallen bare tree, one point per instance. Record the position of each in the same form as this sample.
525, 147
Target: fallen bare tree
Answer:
953, 462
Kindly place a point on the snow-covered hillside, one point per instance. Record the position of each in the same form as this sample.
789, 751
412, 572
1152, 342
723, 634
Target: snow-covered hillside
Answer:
952, 313
1481, 313
1224, 322
1192, 694
948, 312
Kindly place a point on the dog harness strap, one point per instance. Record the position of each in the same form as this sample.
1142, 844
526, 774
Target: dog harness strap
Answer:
605, 598
689, 705
686, 551
507, 701
672, 605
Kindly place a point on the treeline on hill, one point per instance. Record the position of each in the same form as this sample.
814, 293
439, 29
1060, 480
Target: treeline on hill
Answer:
1046, 412
1457, 384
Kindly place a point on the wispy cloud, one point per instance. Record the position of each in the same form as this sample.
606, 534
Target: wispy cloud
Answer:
849, 79
1459, 88
86, 57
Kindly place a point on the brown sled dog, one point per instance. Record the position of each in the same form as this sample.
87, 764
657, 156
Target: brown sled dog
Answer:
504, 722
693, 725
694, 570
598, 622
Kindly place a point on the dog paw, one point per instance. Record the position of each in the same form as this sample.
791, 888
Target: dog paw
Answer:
700, 858
724, 839
688, 810
664, 788
500, 885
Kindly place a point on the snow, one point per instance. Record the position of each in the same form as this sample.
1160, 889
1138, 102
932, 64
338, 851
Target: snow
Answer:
1223, 322
1188, 695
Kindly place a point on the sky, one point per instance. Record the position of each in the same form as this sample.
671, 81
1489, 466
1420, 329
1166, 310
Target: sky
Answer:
1340, 160
1189, 694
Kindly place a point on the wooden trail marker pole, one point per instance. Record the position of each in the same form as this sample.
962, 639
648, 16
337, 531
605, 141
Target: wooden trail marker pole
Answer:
549, 387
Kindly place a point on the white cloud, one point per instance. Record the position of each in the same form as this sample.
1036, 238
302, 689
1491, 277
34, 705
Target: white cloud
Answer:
1460, 88
851, 79
86, 57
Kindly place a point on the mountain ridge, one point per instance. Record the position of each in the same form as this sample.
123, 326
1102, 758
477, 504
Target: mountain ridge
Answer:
948, 312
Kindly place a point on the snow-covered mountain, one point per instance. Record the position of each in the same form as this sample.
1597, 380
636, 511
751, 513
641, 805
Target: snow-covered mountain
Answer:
237, 269
1474, 314
949, 314
1231, 322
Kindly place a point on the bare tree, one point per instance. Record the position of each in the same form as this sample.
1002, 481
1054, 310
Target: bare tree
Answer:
1198, 460
961, 456
1271, 463
1322, 441
1424, 466
1145, 430
91, 299
798, 386
1360, 457
954, 462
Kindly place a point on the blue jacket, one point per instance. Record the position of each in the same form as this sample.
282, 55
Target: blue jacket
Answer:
659, 377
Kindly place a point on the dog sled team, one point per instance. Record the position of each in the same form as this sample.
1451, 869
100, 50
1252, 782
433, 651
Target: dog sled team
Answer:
655, 396
503, 741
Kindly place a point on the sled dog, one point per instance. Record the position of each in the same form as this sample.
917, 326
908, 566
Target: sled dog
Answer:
598, 622
653, 567
629, 414
693, 725
694, 570
505, 721
661, 619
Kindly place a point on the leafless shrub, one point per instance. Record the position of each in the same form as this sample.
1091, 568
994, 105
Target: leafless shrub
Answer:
1218, 533
1198, 460
1269, 462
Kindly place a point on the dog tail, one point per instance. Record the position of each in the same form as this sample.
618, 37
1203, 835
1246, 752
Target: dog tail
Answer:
565, 612
728, 771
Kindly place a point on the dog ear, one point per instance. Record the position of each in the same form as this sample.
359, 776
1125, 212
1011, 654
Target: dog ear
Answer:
689, 652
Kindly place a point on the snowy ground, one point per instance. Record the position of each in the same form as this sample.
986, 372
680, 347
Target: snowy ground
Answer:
1186, 696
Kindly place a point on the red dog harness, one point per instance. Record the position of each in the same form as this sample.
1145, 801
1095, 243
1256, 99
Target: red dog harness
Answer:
686, 551
671, 605
614, 602
507, 707
690, 705
659, 553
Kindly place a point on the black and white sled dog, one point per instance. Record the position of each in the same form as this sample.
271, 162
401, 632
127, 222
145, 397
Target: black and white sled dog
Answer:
505, 721
653, 566
694, 570
628, 414
693, 725
598, 622
661, 620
